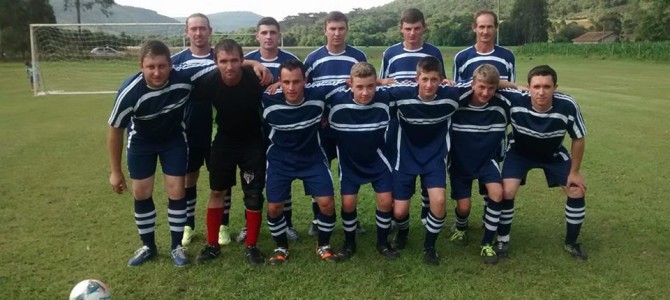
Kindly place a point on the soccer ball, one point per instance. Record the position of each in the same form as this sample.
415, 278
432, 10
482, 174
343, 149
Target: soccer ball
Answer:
90, 289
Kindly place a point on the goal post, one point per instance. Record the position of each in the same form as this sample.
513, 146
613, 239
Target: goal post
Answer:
93, 58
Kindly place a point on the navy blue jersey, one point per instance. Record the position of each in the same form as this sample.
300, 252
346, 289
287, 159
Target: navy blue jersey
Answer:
360, 131
424, 125
198, 114
151, 114
272, 64
400, 63
294, 139
477, 136
238, 108
539, 135
466, 61
323, 65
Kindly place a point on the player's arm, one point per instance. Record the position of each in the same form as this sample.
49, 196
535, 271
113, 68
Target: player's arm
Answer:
264, 75
575, 179
115, 148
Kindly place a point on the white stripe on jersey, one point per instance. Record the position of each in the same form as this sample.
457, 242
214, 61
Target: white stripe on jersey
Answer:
476, 128
358, 107
165, 110
276, 107
332, 77
202, 72
432, 102
579, 128
482, 109
487, 57
561, 117
384, 159
540, 135
359, 127
403, 75
422, 121
297, 126
271, 64
331, 58
170, 88
122, 95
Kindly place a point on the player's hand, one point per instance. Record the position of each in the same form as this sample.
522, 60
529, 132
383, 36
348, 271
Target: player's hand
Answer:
576, 181
448, 82
272, 89
264, 74
118, 182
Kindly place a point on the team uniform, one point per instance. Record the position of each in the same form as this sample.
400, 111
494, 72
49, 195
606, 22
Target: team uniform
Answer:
274, 63
154, 119
537, 142
238, 142
423, 144
468, 59
295, 152
198, 121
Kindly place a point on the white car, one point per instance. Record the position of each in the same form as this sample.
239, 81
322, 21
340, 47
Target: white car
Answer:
106, 52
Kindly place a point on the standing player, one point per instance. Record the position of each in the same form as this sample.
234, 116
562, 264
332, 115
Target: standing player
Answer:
269, 54
540, 120
399, 62
424, 109
294, 118
477, 133
359, 118
235, 93
151, 104
484, 51
332, 61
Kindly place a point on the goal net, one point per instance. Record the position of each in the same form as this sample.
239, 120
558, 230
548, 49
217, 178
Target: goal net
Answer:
93, 58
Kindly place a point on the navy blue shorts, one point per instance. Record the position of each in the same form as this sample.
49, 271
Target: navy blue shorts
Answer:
317, 181
383, 183
555, 170
197, 156
328, 143
461, 187
404, 185
142, 155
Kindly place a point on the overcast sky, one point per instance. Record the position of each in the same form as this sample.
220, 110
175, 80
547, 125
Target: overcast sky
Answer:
273, 8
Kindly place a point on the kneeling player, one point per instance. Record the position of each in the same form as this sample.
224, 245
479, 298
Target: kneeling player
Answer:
152, 103
424, 109
293, 116
477, 137
540, 119
359, 117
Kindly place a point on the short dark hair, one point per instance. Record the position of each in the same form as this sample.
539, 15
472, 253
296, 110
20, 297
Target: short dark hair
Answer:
228, 45
198, 15
291, 65
485, 12
270, 21
155, 48
335, 16
428, 64
543, 70
412, 15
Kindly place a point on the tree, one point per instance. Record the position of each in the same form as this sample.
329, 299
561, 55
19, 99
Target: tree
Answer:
568, 32
528, 23
88, 5
15, 20
654, 23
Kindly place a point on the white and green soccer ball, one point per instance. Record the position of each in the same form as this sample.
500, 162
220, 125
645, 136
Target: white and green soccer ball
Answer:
90, 289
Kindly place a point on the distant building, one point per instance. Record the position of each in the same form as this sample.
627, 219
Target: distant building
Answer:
596, 37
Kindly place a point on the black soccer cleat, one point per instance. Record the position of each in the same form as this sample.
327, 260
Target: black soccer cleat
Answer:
254, 256
347, 252
208, 253
501, 249
400, 241
430, 257
388, 252
576, 251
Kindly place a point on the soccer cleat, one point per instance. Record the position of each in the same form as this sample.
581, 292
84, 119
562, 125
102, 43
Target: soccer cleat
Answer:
179, 256
459, 238
400, 241
489, 256
327, 254
430, 257
347, 252
142, 255
292, 234
188, 235
254, 256
208, 253
388, 252
576, 251
313, 229
501, 249
359, 228
224, 235
279, 257
242, 236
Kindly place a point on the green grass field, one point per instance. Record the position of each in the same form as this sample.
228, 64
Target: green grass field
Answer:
62, 223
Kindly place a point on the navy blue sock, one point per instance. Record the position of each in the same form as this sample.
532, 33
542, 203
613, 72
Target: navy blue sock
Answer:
145, 219
278, 228
433, 227
575, 211
491, 220
349, 220
506, 216
383, 226
461, 221
403, 225
191, 200
326, 225
177, 220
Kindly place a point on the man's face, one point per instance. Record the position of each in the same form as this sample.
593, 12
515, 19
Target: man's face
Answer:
541, 90
336, 33
482, 92
485, 29
198, 32
412, 32
292, 84
428, 83
363, 88
268, 37
229, 64
156, 70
